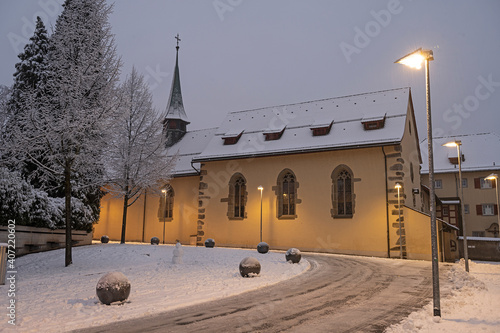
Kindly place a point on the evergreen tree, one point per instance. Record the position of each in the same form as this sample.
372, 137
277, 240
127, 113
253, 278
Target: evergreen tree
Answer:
65, 120
29, 70
136, 159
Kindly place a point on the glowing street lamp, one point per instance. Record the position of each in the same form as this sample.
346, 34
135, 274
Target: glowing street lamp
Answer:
495, 177
415, 60
398, 187
260, 188
458, 144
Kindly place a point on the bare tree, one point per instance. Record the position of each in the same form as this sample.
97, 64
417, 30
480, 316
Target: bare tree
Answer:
137, 158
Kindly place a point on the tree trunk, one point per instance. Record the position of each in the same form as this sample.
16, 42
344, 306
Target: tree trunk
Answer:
67, 192
124, 220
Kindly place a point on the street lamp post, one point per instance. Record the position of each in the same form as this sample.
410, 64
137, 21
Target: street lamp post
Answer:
414, 60
260, 188
495, 177
458, 144
398, 187
164, 191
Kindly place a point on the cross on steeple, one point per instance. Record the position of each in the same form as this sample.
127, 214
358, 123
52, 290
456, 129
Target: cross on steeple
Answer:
178, 40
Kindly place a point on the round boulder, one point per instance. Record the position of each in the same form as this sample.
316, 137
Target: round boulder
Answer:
209, 242
155, 241
113, 287
249, 267
263, 247
293, 255
104, 239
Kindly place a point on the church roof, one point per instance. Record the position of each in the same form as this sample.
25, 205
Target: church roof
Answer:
190, 146
175, 106
289, 129
481, 152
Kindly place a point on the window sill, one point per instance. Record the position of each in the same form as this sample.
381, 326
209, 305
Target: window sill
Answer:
342, 216
287, 217
236, 218
167, 219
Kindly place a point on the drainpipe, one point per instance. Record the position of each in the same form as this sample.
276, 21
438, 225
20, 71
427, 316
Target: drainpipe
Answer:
387, 205
144, 216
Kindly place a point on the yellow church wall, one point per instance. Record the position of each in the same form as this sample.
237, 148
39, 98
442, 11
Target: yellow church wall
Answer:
314, 229
142, 227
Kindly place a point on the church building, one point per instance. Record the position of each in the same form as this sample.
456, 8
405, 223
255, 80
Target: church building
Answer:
337, 175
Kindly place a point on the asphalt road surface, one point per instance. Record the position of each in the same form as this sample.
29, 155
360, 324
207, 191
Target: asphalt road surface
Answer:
338, 294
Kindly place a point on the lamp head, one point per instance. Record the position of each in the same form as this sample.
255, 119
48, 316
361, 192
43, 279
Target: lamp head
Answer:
398, 186
453, 143
493, 176
416, 58
260, 188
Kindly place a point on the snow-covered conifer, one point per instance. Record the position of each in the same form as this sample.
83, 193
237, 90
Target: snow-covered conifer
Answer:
65, 121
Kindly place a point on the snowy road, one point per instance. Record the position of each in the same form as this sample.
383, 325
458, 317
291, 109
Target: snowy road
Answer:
338, 294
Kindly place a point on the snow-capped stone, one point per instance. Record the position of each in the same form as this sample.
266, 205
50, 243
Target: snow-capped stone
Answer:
249, 267
104, 239
263, 247
293, 255
209, 242
155, 241
113, 287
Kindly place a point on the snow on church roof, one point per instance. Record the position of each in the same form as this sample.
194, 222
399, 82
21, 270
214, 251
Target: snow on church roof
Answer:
480, 151
347, 130
190, 146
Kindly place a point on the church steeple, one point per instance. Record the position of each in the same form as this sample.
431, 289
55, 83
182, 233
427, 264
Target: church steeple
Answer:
176, 120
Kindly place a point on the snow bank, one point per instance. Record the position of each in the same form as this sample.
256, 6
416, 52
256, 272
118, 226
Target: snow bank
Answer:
54, 298
473, 304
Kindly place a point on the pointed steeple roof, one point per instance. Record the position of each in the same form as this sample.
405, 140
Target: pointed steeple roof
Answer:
175, 107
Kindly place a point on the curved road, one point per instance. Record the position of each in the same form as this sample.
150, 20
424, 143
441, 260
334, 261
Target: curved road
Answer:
338, 294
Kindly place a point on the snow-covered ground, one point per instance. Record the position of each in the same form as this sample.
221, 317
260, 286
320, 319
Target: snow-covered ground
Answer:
473, 305
54, 298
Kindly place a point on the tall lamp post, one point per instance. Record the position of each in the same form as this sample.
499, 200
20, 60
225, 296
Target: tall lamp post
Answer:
398, 187
414, 60
260, 188
164, 191
495, 177
458, 144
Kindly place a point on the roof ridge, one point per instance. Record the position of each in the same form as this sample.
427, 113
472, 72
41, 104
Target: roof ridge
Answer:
320, 100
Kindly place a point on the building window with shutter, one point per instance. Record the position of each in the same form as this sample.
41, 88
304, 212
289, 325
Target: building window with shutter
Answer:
482, 183
286, 192
342, 192
237, 197
487, 209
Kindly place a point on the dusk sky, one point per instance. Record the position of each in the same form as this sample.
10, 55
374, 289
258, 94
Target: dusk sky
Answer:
240, 54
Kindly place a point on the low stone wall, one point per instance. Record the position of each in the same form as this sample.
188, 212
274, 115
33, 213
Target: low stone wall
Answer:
31, 239
481, 248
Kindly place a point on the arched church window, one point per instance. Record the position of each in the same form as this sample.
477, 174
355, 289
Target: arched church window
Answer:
342, 192
237, 197
287, 194
167, 204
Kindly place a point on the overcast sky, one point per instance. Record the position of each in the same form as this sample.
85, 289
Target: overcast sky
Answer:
244, 54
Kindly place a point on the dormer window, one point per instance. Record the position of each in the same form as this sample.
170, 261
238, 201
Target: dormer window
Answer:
232, 137
454, 159
321, 128
274, 134
372, 123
